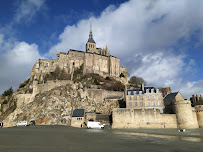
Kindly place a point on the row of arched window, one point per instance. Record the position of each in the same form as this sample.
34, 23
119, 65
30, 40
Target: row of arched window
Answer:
91, 46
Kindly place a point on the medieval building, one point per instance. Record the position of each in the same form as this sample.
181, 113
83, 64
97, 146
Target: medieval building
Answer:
94, 60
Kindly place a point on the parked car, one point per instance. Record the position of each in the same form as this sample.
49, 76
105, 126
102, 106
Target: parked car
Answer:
94, 125
1, 124
32, 122
22, 123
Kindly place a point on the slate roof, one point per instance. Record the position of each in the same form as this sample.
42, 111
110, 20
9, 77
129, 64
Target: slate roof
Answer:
145, 88
78, 113
91, 39
170, 97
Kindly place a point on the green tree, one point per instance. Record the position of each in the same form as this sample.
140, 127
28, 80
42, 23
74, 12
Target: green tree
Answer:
135, 80
8, 92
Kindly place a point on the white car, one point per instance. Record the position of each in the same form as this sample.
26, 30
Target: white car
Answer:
22, 123
94, 125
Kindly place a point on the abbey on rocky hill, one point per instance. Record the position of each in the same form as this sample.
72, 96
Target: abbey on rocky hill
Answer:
95, 60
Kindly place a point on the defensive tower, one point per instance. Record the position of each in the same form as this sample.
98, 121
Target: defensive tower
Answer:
184, 114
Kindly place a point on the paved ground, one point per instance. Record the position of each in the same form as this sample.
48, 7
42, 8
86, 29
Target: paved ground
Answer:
68, 139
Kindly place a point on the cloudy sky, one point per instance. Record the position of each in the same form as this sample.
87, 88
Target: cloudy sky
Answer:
159, 40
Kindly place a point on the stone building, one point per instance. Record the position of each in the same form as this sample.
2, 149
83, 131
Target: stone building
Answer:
95, 60
186, 114
178, 112
144, 98
78, 118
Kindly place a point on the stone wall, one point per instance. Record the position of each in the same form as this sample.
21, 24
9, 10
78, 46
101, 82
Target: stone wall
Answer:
199, 112
77, 122
184, 114
99, 94
103, 100
40, 88
140, 118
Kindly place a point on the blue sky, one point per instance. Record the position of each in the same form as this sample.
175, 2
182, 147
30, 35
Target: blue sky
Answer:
161, 41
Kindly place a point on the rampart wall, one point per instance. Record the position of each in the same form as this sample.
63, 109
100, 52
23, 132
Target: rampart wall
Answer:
40, 88
140, 118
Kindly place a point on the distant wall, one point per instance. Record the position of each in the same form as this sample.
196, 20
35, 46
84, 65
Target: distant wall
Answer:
40, 88
140, 118
199, 112
99, 94
104, 100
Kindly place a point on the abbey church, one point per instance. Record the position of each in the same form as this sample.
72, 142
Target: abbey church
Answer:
95, 60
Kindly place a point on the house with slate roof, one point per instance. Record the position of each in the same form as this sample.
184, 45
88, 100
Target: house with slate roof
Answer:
78, 118
144, 98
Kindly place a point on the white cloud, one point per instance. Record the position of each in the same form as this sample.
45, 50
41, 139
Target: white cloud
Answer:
27, 9
16, 64
142, 34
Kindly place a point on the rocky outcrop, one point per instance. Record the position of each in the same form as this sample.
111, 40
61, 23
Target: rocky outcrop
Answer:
56, 106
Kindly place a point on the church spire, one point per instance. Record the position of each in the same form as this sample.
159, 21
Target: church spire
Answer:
91, 35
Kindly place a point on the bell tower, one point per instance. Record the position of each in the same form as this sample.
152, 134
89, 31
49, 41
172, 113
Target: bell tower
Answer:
90, 45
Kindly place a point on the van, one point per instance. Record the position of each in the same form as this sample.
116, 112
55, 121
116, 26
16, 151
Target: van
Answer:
94, 125
22, 123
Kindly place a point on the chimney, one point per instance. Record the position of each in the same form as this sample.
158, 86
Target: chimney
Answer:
142, 87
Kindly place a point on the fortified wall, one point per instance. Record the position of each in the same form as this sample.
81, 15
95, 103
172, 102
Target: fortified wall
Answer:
199, 113
40, 88
142, 118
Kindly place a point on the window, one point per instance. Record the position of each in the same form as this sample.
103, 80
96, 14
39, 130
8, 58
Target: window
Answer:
130, 104
129, 98
141, 104
158, 98
159, 103
148, 103
141, 98
153, 103
153, 97
148, 97
135, 104
135, 98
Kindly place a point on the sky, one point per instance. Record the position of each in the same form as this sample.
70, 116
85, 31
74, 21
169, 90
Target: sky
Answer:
158, 40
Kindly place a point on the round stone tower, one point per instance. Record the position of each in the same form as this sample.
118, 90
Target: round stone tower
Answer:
184, 114
199, 112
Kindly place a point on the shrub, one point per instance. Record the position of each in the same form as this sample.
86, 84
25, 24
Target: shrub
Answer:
107, 78
57, 74
5, 102
24, 83
8, 92
79, 71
